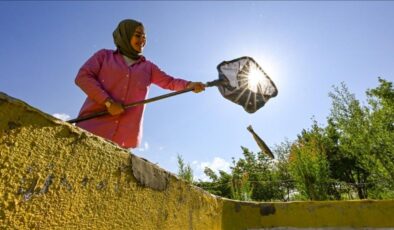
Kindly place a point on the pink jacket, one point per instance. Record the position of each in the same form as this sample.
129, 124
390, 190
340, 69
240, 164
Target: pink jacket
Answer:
105, 75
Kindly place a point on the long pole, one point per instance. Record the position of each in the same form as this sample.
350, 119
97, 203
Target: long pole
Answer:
153, 99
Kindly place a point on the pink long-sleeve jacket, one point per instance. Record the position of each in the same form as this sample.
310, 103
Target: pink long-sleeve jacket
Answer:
106, 75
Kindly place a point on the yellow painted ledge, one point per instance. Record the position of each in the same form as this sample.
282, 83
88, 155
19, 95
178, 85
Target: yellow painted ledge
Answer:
54, 175
364, 214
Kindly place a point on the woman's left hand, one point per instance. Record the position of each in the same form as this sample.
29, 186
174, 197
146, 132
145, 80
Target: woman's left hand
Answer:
196, 86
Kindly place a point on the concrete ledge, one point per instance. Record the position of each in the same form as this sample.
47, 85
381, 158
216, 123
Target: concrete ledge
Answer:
365, 214
54, 175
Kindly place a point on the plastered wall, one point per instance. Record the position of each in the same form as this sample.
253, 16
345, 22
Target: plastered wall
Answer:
56, 176
343, 215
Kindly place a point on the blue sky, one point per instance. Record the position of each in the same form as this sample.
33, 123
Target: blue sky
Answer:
306, 48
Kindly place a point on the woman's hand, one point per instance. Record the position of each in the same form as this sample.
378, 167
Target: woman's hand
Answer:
114, 108
196, 86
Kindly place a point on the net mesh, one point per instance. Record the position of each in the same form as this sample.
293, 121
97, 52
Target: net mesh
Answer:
245, 83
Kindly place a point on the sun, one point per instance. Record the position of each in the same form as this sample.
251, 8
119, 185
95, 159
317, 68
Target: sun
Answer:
254, 79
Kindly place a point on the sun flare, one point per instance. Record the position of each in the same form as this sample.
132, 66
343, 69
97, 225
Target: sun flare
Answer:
254, 79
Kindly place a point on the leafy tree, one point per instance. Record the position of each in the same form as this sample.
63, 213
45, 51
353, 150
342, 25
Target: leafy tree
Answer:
381, 135
352, 156
282, 174
219, 185
252, 178
241, 188
381, 100
352, 124
260, 171
309, 166
184, 171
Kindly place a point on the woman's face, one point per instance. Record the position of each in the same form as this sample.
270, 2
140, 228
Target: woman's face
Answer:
138, 40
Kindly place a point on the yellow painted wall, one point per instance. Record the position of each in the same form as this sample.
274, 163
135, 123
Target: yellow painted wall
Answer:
56, 176
365, 214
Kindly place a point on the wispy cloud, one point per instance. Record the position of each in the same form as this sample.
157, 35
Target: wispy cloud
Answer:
144, 147
62, 116
216, 164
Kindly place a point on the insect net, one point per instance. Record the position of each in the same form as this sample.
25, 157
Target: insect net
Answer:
245, 83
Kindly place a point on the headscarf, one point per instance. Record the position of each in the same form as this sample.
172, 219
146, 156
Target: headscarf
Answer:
122, 35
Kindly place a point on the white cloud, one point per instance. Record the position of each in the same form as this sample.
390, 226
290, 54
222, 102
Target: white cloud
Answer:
216, 164
144, 147
62, 116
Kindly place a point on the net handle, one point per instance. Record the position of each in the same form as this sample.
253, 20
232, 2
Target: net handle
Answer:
153, 99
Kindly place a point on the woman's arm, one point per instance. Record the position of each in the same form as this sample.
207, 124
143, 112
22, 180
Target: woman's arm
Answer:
87, 78
166, 81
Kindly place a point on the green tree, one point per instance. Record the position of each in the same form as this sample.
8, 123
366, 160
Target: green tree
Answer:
361, 152
352, 156
261, 173
241, 188
252, 178
339, 164
184, 171
284, 181
219, 185
353, 124
381, 135
309, 165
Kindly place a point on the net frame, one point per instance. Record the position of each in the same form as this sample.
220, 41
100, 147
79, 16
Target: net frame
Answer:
239, 87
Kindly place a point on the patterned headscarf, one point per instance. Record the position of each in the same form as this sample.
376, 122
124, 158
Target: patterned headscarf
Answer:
122, 35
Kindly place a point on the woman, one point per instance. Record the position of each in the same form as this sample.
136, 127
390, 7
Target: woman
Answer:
113, 78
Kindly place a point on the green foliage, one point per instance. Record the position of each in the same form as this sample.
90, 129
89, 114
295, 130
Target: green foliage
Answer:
184, 171
241, 188
365, 140
351, 121
282, 179
381, 133
254, 177
309, 166
219, 185
351, 157
254, 168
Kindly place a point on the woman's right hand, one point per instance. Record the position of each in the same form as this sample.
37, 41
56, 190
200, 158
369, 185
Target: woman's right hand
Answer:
196, 86
113, 107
